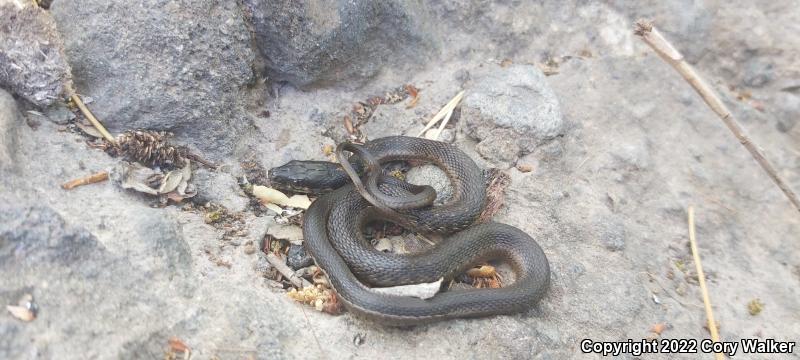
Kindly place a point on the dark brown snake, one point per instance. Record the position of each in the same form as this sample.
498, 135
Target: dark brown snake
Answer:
333, 231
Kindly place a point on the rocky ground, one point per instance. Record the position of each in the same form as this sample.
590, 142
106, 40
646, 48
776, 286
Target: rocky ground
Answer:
619, 146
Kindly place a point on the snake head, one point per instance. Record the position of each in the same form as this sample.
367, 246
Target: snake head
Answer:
307, 177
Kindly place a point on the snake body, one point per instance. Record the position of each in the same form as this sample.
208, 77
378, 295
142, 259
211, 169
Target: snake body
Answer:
333, 231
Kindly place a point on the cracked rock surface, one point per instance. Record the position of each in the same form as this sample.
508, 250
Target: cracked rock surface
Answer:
604, 155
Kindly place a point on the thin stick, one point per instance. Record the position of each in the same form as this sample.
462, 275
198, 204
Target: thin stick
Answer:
701, 277
91, 179
287, 272
88, 114
668, 53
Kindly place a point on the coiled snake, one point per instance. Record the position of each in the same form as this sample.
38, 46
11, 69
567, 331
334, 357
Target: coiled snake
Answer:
333, 231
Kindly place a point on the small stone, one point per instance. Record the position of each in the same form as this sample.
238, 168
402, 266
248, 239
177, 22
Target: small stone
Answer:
433, 176
525, 168
298, 258
758, 72
249, 248
787, 108
59, 114
516, 98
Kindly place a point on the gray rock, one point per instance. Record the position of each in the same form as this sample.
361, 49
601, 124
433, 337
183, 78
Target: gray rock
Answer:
516, 98
9, 120
32, 55
343, 41
75, 280
787, 111
31, 236
500, 147
758, 72
431, 175
162, 65
219, 188
298, 258
59, 114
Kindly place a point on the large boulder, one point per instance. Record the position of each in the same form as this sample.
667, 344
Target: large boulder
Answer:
32, 61
164, 65
338, 41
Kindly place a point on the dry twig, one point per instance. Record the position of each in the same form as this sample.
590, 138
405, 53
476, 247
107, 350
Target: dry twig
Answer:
668, 53
91, 179
712, 325
286, 271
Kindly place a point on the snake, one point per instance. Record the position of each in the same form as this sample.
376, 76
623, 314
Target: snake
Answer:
333, 231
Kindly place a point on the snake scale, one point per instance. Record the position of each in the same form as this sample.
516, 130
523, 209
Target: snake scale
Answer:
333, 231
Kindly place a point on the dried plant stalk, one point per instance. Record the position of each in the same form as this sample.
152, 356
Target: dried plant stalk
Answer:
88, 114
668, 53
712, 324
447, 109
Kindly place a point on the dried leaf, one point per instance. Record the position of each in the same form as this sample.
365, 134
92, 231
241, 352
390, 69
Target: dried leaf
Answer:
299, 201
277, 209
524, 167
175, 197
412, 91
89, 130
348, 125
506, 62
422, 291
658, 328
170, 181
21, 312
290, 233
178, 345
327, 149
483, 271
413, 102
269, 195
135, 176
